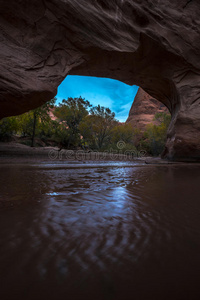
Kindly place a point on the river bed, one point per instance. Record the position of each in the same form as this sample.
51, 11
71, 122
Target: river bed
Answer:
99, 231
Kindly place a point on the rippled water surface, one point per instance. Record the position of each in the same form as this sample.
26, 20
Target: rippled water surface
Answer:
99, 232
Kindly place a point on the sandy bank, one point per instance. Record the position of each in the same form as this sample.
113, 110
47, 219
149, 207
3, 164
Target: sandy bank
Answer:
17, 153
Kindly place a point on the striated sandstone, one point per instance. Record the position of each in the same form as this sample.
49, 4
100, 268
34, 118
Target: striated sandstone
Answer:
143, 110
154, 44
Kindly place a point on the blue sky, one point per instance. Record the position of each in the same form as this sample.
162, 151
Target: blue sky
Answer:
114, 94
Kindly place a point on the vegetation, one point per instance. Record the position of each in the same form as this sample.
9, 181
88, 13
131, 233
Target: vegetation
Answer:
96, 128
78, 125
155, 135
71, 112
34, 123
8, 126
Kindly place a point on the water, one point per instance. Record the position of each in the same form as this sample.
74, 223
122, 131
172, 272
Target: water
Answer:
99, 232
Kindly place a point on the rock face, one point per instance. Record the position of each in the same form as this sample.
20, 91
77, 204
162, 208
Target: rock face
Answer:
143, 110
154, 44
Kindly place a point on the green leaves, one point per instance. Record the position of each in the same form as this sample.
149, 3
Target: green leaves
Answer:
75, 123
72, 111
8, 126
96, 127
156, 135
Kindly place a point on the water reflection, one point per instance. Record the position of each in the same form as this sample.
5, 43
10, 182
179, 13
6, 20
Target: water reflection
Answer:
99, 233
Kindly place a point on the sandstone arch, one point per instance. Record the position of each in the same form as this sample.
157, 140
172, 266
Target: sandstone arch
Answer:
154, 44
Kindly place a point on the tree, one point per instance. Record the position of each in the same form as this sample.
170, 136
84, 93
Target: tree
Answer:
41, 113
122, 132
73, 111
96, 127
32, 122
163, 118
156, 135
8, 126
25, 123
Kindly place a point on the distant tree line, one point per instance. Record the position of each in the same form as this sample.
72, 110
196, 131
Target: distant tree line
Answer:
79, 125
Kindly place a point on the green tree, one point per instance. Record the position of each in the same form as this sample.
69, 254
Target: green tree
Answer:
31, 120
122, 132
25, 123
96, 127
31, 123
122, 138
72, 111
42, 114
155, 135
8, 126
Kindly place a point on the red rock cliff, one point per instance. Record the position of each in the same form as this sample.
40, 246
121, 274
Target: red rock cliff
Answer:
143, 110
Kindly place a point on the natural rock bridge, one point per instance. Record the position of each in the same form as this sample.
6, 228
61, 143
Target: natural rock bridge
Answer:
152, 43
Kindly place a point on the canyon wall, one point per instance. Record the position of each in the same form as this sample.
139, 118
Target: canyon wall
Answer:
154, 44
143, 110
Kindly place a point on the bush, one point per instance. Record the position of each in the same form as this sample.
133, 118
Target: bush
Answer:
155, 136
8, 126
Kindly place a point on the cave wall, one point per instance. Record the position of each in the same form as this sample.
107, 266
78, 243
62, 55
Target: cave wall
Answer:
151, 43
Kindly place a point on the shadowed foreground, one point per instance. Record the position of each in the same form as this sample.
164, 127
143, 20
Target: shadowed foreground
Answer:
108, 232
